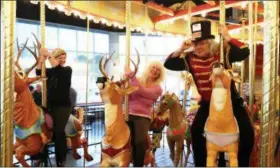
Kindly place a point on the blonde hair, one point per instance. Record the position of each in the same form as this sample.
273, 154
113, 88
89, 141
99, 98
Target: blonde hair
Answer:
144, 76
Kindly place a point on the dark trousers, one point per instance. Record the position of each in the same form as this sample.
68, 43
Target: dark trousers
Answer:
139, 127
60, 117
246, 142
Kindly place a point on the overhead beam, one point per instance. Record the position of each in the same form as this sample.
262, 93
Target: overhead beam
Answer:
260, 7
233, 27
157, 7
244, 5
204, 8
215, 17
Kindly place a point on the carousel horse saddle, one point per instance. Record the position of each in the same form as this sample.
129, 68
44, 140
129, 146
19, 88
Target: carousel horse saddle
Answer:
221, 139
112, 152
70, 128
36, 128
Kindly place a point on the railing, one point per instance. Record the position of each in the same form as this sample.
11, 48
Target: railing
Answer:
94, 121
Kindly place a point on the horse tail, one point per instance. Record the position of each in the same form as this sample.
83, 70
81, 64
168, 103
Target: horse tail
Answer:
80, 114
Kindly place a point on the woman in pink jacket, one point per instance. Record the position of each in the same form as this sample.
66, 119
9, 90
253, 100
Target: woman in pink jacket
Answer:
140, 106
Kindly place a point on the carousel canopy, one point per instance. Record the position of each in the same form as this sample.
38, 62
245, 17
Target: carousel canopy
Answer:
164, 17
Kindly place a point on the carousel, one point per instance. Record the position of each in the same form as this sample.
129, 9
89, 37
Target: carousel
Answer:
27, 128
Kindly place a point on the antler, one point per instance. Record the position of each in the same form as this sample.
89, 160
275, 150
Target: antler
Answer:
38, 46
136, 68
19, 53
102, 68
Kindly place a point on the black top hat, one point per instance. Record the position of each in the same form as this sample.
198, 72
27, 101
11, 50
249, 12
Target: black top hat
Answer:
201, 30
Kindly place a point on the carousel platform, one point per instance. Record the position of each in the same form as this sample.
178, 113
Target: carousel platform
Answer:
162, 158
95, 132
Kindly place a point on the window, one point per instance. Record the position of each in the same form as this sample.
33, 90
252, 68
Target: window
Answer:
74, 42
24, 31
101, 43
136, 42
51, 37
67, 39
82, 41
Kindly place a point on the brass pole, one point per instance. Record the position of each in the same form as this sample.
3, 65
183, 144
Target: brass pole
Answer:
243, 62
8, 18
146, 33
85, 118
186, 75
251, 58
268, 86
253, 64
127, 61
222, 22
43, 72
189, 20
277, 83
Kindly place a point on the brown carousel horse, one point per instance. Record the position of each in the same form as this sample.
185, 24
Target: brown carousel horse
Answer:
116, 145
177, 126
33, 124
221, 128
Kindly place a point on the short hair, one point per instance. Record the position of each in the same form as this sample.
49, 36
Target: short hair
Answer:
143, 78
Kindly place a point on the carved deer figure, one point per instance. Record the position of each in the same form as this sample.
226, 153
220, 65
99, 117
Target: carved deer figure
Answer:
116, 144
221, 128
32, 124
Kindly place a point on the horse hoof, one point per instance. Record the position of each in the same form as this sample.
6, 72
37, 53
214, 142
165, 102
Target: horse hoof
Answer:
88, 158
76, 156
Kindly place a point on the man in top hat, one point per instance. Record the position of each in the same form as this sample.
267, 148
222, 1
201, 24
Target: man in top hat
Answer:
199, 63
58, 97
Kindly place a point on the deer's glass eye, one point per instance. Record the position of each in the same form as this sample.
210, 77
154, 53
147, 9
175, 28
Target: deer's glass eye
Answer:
101, 82
21, 74
100, 85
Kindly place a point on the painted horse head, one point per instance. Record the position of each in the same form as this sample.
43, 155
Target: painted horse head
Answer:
170, 102
221, 82
167, 101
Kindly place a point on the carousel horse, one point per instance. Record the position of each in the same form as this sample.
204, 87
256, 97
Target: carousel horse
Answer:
177, 125
33, 125
221, 128
74, 130
116, 143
